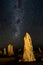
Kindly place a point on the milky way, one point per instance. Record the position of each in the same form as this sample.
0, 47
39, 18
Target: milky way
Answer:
11, 22
18, 17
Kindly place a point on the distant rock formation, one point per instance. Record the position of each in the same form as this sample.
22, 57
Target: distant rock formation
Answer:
10, 50
39, 50
5, 51
28, 54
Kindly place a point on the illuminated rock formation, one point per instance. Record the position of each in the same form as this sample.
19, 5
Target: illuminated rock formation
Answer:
28, 54
4, 51
0, 52
39, 50
10, 50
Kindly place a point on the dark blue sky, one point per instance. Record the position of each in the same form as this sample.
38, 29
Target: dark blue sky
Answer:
18, 17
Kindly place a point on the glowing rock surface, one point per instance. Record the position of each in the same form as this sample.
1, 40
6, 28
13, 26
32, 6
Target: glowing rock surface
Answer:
10, 50
28, 54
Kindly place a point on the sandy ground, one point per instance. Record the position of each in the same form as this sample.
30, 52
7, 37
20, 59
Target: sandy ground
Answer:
11, 60
4, 60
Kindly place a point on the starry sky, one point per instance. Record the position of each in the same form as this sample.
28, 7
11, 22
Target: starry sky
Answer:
18, 17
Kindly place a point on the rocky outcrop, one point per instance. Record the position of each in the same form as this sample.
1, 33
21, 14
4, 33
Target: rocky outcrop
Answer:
28, 54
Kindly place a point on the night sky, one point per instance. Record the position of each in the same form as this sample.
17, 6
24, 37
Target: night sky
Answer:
18, 17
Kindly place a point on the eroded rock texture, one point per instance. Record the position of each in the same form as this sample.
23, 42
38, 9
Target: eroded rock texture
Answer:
28, 49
